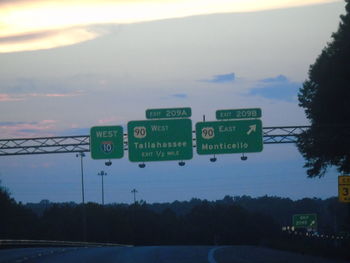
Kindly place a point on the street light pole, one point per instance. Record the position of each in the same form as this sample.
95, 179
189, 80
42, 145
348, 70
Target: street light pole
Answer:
134, 191
102, 174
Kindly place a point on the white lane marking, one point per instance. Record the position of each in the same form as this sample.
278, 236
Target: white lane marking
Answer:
211, 258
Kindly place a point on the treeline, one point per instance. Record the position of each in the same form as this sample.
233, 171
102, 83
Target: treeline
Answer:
230, 221
205, 224
333, 216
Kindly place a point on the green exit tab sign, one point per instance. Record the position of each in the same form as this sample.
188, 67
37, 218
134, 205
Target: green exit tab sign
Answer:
168, 113
238, 114
106, 142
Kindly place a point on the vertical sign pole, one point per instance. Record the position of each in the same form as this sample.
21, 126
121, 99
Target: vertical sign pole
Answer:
102, 174
103, 193
82, 177
81, 155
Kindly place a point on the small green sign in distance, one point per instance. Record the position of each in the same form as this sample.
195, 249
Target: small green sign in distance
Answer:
168, 113
223, 137
238, 114
106, 142
160, 140
305, 221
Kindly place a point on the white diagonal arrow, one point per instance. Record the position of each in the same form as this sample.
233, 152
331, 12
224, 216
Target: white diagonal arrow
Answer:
252, 128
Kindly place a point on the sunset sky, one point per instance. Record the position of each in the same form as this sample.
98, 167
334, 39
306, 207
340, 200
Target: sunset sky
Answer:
38, 24
69, 65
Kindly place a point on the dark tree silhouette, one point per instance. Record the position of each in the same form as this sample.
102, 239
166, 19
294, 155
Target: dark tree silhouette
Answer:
16, 221
325, 97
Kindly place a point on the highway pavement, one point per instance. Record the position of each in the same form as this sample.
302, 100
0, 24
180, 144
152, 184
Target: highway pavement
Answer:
155, 254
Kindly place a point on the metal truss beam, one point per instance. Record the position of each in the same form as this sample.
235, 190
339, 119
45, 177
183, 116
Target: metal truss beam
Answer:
45, 145
286, 134
71, 144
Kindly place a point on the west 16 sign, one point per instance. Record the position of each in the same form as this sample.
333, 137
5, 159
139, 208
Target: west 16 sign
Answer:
106, 142
160, 140
220, 137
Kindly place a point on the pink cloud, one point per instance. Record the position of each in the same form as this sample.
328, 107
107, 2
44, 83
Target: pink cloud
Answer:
52, 94
6, 97
27, 129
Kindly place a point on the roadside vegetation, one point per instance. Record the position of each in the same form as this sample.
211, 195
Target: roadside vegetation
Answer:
231, 221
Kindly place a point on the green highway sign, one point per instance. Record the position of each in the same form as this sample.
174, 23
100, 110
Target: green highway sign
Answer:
168, 113
238, 114
220, 137
305, 221
160, 140
106, 142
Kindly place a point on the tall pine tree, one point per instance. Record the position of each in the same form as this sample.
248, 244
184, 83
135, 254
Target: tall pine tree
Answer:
325, 97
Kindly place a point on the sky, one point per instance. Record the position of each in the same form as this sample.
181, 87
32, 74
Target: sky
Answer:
67, 66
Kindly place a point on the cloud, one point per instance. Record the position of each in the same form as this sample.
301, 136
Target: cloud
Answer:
220, 79
8, 97
35, 87
22, 97
108, 120
22, 129
279, 78
277, 88
19, 85
45, 40
44, 24
25, 37
180, 95
54, 95
74, 131
15, 123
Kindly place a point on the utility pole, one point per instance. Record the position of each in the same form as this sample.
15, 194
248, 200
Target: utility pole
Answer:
102, 174
134, 191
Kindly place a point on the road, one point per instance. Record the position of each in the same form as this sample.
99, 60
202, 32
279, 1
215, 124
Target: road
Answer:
161, 254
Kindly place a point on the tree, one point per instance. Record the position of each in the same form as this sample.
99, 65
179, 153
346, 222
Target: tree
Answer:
325, 97
16, 221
